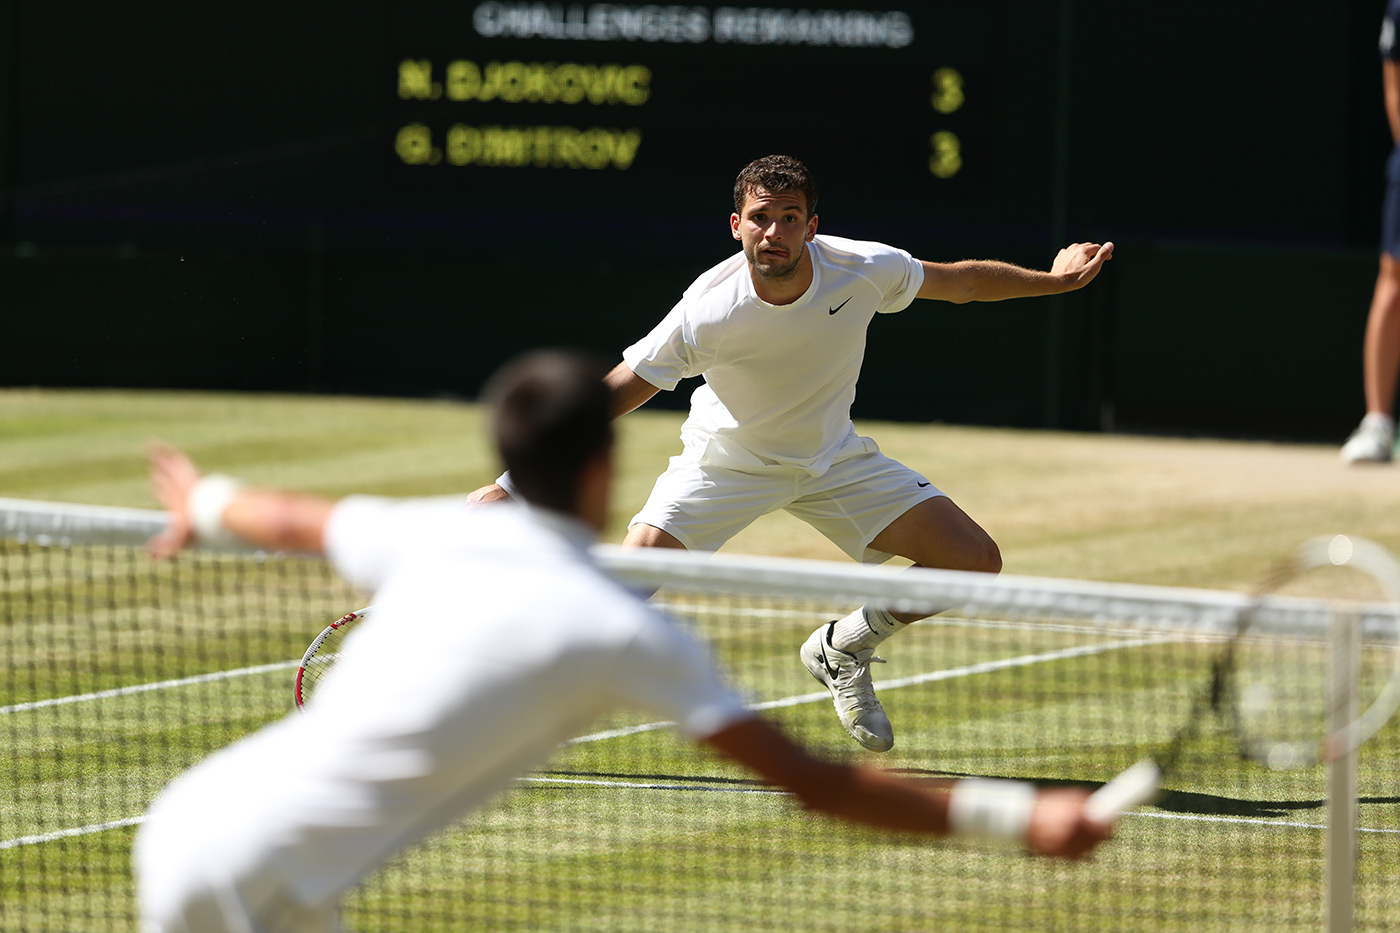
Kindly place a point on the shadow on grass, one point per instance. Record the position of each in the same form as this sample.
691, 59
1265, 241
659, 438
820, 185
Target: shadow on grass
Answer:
1170, 801
1177, 801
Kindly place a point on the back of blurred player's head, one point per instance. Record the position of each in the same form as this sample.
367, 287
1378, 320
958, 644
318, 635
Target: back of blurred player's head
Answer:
775, 174
549, 416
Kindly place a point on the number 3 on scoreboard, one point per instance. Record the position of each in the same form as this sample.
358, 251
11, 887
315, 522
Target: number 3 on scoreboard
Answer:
945, 158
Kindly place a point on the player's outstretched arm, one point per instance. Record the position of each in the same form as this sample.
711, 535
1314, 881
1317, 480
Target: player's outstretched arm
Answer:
491, 492
1050, 822
629, 391
213, 508
990, 280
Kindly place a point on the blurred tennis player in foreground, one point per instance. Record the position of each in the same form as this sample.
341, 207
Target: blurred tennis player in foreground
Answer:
778, 332
435, 705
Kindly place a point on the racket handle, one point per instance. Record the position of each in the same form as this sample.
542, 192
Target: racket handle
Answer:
1134, 787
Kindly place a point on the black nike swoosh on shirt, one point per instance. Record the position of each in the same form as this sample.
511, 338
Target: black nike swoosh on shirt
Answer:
838, 307
921, 485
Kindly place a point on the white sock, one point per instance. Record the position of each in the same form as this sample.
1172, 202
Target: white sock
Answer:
1381, 419
864, 628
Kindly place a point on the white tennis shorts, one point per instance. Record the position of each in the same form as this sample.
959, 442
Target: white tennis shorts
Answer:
704, 505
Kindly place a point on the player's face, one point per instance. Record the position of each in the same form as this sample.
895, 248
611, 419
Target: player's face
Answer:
774, 228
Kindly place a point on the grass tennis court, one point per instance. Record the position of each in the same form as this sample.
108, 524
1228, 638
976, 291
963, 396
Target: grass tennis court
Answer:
1185, 512
624, 812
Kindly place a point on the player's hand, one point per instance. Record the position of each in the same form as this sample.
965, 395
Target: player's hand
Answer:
1059, 826
487, 495
173, 475
1078, 263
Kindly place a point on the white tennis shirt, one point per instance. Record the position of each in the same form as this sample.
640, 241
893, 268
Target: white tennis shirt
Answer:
494, 639
779, 379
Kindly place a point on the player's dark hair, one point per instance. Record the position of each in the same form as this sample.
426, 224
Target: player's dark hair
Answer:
775, 174
550, 417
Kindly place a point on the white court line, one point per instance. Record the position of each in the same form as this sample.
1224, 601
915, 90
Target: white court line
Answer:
66, 833
985, 667
147, 688
930, 677
1256, 821
690, 788
594, 737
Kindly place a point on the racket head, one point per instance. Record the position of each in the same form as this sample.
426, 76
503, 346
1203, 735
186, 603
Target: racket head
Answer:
1283, 679
320, 656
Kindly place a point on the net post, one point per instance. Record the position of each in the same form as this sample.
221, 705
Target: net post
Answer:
1343, 706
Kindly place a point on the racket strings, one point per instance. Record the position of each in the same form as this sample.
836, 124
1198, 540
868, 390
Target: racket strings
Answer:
321, 655
1217, 698
1277, 689
1209, 701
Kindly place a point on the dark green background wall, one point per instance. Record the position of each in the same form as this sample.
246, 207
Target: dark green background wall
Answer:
209, 199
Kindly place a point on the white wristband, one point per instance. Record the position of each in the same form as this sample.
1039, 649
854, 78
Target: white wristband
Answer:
990, 809
205, 505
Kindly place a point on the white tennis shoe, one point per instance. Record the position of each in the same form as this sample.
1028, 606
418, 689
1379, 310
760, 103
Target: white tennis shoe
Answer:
1373, 441
847, 676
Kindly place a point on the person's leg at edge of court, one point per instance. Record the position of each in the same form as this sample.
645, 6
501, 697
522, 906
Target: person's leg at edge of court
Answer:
1373, 440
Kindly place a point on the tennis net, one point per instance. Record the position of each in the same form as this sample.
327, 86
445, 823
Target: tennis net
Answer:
120, 671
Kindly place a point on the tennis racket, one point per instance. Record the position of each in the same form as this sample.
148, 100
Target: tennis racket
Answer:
1138, 785
321, 654
1281, 681
1292, 697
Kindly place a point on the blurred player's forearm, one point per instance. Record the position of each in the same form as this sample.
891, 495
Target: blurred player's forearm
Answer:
278, 520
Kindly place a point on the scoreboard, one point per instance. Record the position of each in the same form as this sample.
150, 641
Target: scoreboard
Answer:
428, 124
626, 110
528, 114
379, 122
448, 181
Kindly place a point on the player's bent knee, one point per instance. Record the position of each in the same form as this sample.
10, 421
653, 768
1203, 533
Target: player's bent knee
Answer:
980, 553
989, 560
994, 561
981, 556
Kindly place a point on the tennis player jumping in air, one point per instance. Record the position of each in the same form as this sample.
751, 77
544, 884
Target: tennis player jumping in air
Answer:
778, 332
427, 714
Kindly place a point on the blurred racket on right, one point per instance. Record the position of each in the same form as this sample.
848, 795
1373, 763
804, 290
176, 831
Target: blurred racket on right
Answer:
1308, 670
321, 655
1294, 699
